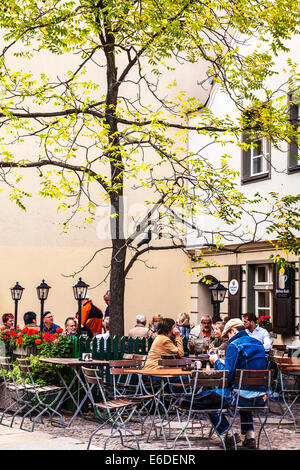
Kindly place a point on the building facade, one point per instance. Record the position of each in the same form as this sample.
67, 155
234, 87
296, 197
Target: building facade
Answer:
246, 268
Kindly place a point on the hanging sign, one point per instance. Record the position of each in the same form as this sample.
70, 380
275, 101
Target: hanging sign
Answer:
233, 286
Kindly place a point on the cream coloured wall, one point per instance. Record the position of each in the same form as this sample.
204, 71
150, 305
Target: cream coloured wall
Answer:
33, 247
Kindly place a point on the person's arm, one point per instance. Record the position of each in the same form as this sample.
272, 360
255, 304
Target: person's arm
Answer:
169, 348
231, 359
267, 341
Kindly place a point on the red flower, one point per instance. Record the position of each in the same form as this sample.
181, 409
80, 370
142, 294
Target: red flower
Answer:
5, 337
13, 334
38, 341
7, 332
59, 330
19, 340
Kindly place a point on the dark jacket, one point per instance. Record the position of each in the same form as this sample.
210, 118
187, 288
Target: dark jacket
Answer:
243, 352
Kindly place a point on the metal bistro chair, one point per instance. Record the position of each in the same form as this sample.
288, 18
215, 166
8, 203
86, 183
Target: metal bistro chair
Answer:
203, 380
133, 391
184, 386
288, 389
123, 384
16, 392
114, 412
41, 399
127, 356
253, 378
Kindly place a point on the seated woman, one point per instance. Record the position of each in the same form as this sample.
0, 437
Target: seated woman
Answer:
163, 345
219, 342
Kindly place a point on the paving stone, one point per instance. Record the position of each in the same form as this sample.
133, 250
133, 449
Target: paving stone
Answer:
48, 437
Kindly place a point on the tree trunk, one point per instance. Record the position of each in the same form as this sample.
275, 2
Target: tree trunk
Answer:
117, 288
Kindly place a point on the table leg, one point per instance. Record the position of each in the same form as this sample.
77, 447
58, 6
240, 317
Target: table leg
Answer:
158, 401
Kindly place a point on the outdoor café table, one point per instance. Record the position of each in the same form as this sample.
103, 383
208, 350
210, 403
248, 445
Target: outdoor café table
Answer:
163, 373
292, 370
76, 365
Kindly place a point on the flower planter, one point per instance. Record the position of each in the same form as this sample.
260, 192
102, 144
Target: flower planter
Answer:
24, 351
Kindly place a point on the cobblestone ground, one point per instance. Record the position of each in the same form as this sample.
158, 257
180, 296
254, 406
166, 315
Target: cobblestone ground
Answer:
283, 438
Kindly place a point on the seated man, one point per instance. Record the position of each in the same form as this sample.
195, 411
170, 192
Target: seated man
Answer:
256, 331
30, 320
48, 324
71, 327
243, 352
140, 330
199, 333
106, 298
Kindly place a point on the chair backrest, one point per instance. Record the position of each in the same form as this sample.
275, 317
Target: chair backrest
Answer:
5, 359
175, 362
254, 377
215, 378
91, 375
117, 367
287, 362
5, 363
24, 366
127, 356
5, 366
139, 357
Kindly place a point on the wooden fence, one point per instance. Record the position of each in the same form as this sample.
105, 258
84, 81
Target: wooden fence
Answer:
114, 348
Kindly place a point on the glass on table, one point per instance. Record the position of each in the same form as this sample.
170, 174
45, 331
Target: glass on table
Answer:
206, 343
221, 354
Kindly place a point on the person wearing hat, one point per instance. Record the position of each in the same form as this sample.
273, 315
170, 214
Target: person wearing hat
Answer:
106, 298
48, 323
242, 352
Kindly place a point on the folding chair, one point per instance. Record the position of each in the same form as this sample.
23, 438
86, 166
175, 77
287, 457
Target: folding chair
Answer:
200, 381
123, 383
181, 384
16, 392
289, 389
140, 357
246, 380
114, 412
127, 356
41, 399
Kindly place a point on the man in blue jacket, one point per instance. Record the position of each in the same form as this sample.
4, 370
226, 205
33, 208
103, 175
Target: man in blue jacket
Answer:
243, 352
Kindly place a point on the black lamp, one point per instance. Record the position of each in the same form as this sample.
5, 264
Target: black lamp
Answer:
80, 290
218, 292
16, 293
42, 293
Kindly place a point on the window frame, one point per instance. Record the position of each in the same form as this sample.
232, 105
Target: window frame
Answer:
247, 160
293, 166
264, 287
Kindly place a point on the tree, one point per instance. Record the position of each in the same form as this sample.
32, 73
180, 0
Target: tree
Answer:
92, 123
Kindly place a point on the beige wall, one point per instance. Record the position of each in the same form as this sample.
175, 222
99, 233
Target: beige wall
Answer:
164, 290
33, 247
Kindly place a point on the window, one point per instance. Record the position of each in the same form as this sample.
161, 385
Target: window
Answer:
256, 159
294, 151
263, 288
